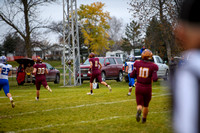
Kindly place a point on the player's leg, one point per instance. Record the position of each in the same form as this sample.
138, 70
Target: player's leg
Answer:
145, 113
44, 83
102, 82
38, 85
91, 85
139, 101
7, 93
147, 99
130, 85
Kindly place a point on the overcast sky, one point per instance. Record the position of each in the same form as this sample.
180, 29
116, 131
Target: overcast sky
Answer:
117, 8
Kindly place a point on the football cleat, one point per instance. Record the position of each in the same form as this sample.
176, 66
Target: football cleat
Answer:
144, 120
129, 94
48, 88
89, 93
12, 103
138, 115
36, 99
109, 87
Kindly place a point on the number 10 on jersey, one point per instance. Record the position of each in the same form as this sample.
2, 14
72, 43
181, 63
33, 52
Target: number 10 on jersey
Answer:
143, 72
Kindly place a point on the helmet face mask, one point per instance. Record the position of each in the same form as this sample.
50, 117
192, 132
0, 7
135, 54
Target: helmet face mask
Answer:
147, 54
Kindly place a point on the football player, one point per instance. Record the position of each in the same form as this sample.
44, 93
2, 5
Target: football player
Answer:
40, 70
145, 71
129, 69
5, 71
95, 68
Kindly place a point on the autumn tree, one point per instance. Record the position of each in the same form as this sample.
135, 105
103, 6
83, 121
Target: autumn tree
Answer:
22, 17
94, 23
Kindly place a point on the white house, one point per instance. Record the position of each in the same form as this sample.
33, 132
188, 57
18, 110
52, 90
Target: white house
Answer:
118, 53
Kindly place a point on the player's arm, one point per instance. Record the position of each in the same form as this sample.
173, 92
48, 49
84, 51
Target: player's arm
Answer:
0, 69
34, 71
46, 71
126, 67
10, 73
154, 75
133, 73
90, 66
100, 66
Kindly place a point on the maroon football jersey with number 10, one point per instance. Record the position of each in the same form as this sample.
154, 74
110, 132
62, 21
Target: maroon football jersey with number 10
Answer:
41, 68
144, 72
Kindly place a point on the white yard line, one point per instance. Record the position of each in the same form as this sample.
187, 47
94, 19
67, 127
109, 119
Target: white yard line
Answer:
81, 122
72, 107
7, 97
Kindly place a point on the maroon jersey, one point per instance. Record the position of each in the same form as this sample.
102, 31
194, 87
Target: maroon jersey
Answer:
145, 72
95, 64
41, 69
96, 73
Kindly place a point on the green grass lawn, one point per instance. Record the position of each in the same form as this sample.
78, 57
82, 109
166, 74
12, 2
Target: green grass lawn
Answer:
69, 109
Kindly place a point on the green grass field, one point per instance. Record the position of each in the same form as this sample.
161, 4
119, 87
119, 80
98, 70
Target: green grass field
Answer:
69, 109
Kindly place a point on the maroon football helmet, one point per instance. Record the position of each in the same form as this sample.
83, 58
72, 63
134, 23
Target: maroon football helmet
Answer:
91, 55
39, 60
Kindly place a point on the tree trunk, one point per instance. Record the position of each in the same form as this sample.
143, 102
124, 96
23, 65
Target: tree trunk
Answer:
27, 37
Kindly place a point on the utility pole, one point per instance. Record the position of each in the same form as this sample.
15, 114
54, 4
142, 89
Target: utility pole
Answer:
71, 51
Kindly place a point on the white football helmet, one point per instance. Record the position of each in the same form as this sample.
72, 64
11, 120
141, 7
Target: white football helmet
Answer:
131, 58
3, 59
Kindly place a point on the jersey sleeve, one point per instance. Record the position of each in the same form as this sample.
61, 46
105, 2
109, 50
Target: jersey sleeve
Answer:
155, 67
34, 66
126, 64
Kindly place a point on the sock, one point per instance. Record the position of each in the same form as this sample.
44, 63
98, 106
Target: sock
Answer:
107, 85
91, 91
11, 98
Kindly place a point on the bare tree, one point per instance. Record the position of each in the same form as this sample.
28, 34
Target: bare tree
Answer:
164, 10
115, 30
22, 17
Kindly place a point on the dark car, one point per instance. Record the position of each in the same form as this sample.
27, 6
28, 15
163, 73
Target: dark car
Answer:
111, 69
52, 76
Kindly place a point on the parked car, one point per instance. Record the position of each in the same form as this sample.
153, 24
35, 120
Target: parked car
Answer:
111, 69
52, 76
163, 71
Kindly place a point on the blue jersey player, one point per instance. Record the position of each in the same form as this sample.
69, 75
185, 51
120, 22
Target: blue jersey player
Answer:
129, 69
5, 71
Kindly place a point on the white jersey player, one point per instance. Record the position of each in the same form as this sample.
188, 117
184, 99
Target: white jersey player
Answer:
129, 69
5, 71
